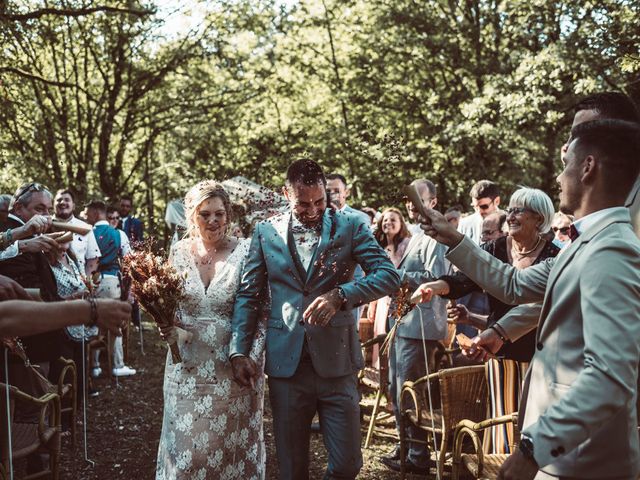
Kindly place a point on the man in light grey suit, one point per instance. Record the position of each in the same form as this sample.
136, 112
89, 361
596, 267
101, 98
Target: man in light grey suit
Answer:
579, 413
423, 260
305, 259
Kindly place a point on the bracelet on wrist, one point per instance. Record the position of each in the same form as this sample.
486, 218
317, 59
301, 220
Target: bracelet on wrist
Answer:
93, 311
502, 337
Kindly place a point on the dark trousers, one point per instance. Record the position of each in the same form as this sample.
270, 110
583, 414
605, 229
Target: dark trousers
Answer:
295, 401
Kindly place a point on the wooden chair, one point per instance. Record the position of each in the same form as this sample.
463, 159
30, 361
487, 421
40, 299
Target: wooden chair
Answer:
29, 438
463, 394
481, 465
376, 380
68, 393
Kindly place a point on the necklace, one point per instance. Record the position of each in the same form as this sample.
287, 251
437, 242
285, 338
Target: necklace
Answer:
210, 252
524, 254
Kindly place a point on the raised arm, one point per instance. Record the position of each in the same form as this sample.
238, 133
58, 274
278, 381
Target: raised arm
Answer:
381, 277
503, 281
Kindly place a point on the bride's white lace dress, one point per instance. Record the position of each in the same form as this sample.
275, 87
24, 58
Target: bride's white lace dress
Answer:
211, 427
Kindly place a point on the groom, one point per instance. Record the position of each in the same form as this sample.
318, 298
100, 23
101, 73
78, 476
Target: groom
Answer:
306, 258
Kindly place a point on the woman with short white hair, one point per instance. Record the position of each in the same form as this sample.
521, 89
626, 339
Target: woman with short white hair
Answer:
529, 217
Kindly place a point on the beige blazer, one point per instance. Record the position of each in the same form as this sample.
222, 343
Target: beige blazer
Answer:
580, 390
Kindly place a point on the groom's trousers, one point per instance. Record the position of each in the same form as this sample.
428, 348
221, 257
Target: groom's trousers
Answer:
295, 401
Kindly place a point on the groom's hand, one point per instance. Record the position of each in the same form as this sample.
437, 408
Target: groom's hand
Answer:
244, 370
323, 308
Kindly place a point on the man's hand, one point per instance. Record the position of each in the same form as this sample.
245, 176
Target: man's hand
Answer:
426, 291
458, 314
113, 315
484, 345
323, 308
436, 226
244, 370
38, 244
36, 224
11, 290
518, 467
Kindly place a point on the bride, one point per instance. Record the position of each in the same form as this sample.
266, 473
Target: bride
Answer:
211, 427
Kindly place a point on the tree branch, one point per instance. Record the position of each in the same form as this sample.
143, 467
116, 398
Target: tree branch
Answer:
54, 83
64, 12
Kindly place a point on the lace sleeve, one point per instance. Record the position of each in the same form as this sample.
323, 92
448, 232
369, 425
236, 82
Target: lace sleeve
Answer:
257, 347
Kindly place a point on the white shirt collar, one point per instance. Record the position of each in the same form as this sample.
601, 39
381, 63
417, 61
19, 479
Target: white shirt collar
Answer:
100, 222
586, 222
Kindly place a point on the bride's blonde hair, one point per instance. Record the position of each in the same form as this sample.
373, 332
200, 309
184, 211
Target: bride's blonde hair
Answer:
200, 192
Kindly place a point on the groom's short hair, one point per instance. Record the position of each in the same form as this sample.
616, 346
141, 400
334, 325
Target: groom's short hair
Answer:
305, 171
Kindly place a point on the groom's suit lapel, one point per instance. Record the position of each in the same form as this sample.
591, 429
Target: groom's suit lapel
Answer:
282, 227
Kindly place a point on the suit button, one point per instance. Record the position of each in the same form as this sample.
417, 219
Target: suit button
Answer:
539, 345
554, 453
560, 449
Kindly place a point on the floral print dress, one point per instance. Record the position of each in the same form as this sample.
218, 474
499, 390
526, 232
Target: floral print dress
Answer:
212, 427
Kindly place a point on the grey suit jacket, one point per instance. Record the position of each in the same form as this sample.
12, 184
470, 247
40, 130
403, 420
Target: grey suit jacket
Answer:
580, 390
422, 262
335, 349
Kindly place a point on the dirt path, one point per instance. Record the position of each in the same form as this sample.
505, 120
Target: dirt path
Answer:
124, 424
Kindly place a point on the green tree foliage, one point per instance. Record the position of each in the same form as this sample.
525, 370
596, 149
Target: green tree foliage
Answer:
104, 100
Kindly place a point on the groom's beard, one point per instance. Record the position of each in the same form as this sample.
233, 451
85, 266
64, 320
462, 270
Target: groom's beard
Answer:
307, 223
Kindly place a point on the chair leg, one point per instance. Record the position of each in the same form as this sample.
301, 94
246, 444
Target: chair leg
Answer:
403, 447
374, 416
442, 455
109, 353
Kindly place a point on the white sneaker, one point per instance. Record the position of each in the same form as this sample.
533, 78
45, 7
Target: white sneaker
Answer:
123, 371
95, 372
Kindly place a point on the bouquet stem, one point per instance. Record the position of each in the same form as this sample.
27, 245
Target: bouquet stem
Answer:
175, 353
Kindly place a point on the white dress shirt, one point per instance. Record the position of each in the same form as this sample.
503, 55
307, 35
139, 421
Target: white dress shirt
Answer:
306, 240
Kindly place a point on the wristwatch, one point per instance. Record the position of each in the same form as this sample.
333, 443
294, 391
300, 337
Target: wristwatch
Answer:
526, 447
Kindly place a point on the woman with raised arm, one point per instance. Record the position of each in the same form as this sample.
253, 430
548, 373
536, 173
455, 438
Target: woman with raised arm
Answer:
529, 217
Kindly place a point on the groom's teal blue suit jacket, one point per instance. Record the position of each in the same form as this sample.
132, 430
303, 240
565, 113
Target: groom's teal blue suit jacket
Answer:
345, 242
